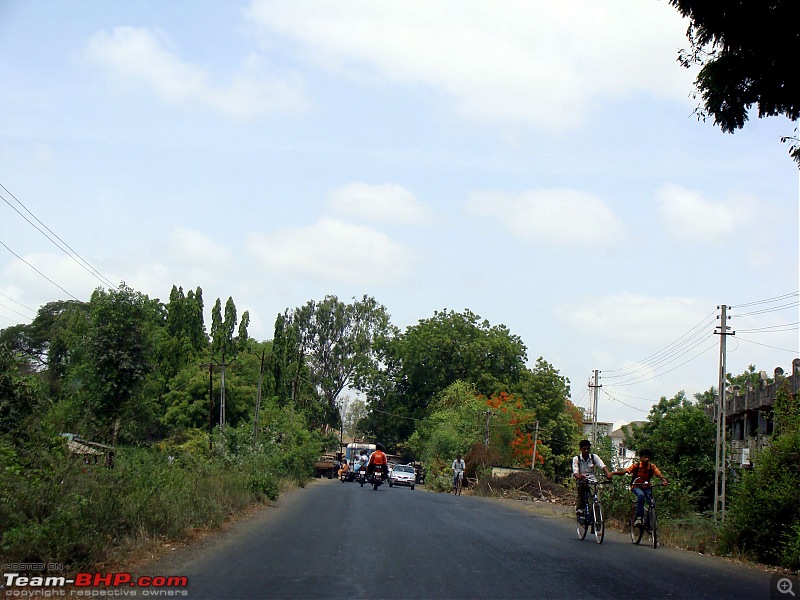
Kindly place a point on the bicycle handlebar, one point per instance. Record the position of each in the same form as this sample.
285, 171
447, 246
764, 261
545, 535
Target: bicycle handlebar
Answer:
644, 483
591, 480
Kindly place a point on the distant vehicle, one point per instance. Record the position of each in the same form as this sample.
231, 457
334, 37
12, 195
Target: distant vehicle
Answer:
326, 466
403, 475
352, 452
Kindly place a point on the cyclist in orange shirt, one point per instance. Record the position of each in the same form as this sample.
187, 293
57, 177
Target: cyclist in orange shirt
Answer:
642, 473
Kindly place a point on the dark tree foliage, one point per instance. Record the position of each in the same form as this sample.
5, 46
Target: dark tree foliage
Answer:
119, 352
20, 394
682, 439
431, 355
748, 50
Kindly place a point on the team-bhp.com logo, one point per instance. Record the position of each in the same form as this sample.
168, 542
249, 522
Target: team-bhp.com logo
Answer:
18, 585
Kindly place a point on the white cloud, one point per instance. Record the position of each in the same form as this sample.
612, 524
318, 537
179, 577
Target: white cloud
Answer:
389, 203
192, 247
137, 56
546, 63
628, 317
556, 216
687, 215
332, 250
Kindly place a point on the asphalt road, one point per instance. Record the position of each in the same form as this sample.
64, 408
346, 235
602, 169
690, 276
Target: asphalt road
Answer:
341, 540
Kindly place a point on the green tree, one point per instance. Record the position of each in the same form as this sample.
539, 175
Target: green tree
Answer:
119, 351
337, 341
429, 356
47, 344
454, 425
682, 439
194, 320
747, 50
20, 393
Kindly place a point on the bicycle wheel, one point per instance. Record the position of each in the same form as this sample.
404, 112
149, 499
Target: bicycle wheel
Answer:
636, 532
583, 522
654, 526
459, 485
599, 523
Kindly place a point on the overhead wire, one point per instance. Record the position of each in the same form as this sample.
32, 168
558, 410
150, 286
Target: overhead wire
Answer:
65, 248
666, 360
635, 380
14, 311
768, 310
38, 271
768, 300
18, 302
651, 362
744, 339
771, 328
623, 403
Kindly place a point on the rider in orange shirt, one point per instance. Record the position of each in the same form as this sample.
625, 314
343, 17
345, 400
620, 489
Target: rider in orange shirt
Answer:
377, 460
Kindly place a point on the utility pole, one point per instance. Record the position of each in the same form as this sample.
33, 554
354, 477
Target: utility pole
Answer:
595, 387
535, 441
223, 364
488, 414
720, 469
210, 405
258, 398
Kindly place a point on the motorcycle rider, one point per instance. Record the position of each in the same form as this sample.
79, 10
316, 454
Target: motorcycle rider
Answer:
343, 467
377, 460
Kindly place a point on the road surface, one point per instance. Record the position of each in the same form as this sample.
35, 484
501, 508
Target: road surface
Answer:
341, 540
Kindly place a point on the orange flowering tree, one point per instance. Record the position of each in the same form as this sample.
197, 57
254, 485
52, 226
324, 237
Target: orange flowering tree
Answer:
513, 431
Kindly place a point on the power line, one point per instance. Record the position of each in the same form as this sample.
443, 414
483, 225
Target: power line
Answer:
769, 310
624, 403
634, 381
666, 352
744, 339
771, 328
18, 302
38, 271
768, 300
79, 260
641, 371
14, 311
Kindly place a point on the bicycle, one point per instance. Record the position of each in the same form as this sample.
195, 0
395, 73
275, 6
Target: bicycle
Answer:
592, 515
458, 483
650, 522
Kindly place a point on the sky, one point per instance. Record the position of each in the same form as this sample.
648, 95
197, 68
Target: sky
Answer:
538, 163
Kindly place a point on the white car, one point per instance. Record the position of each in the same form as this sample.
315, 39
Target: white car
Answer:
403, 475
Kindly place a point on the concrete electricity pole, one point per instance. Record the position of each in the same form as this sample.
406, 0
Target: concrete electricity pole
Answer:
535, 442
595, 386
721, 449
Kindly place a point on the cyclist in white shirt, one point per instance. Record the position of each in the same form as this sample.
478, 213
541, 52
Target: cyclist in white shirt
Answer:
458, 467
583, 467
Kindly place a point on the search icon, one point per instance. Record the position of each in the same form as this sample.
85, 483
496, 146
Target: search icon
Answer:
785, 586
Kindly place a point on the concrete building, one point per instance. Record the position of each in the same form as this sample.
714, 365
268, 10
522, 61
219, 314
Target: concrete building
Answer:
623, 456
749, 414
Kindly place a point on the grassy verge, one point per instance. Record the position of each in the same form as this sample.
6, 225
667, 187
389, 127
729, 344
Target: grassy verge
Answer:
61, 511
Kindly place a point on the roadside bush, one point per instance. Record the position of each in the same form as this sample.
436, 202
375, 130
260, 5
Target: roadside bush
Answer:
54, 508
763, 514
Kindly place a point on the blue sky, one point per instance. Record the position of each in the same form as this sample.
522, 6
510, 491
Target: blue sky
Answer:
538, 163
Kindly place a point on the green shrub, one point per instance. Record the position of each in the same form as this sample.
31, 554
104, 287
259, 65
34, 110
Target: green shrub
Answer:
763, 513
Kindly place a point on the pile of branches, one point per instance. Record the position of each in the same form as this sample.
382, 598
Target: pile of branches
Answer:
525, 485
